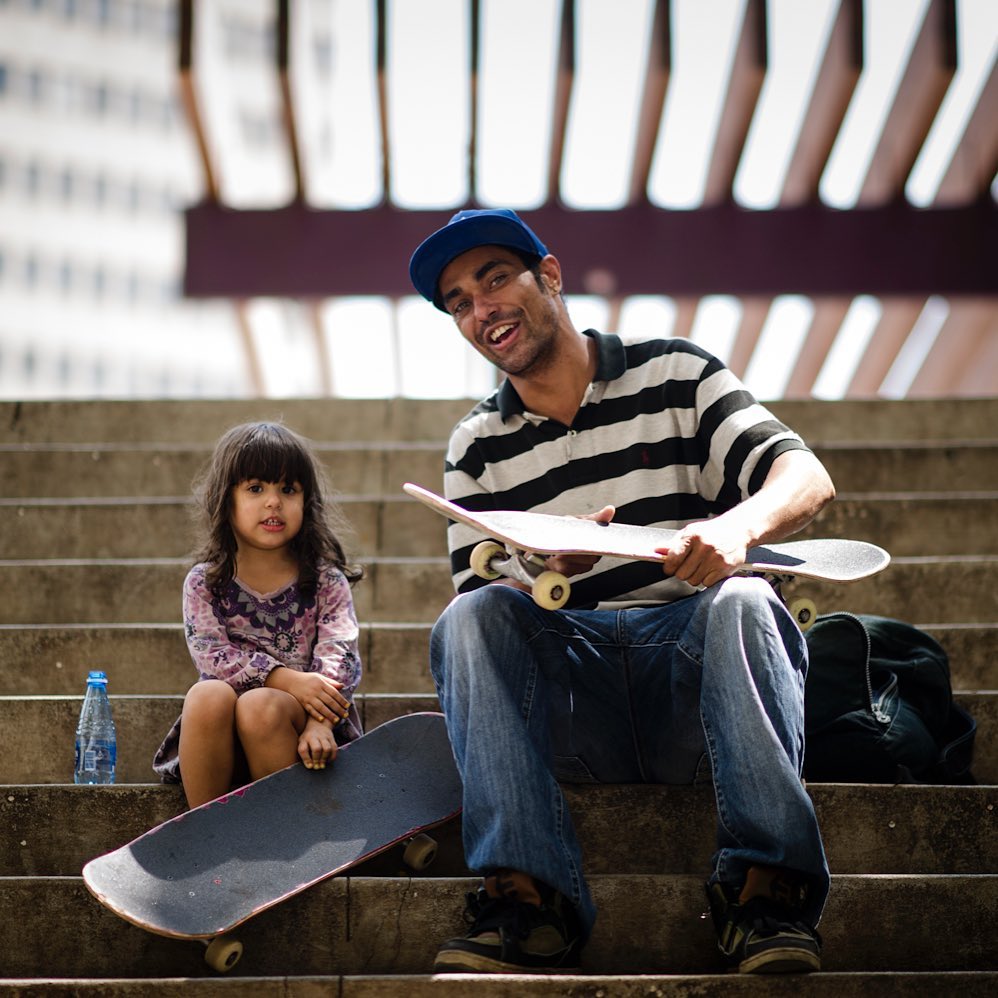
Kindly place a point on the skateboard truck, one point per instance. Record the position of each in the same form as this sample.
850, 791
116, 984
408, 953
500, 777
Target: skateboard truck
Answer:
802, 609
490, 561
550, 590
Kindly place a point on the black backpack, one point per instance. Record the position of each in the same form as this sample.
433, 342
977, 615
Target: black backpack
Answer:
879, 707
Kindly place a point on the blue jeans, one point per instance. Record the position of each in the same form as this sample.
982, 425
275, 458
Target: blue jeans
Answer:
533, 697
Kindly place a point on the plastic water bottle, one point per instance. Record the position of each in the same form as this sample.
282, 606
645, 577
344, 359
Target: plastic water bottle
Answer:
96, 744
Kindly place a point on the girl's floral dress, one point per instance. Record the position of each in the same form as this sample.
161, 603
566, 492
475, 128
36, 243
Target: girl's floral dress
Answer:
242, 635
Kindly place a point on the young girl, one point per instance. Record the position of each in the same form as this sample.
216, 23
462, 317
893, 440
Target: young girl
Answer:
269, 620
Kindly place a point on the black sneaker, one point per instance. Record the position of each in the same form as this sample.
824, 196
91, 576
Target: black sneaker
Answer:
761, 926
517, 926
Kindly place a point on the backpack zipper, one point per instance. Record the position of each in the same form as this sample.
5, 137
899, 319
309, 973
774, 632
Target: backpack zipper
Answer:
875, 709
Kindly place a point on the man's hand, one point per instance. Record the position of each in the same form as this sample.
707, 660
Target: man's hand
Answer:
577, 564
706, 552
795, 490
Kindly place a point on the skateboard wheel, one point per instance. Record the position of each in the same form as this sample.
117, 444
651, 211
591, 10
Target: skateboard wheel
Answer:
804, 612
420, 852
481, 555
551, 590
223, 953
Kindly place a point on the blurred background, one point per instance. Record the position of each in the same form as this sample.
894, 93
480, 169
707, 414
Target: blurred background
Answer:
218, 198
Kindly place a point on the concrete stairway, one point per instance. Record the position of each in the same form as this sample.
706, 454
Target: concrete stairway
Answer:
92, 553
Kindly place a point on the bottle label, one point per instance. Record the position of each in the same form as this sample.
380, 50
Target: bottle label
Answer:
95, 761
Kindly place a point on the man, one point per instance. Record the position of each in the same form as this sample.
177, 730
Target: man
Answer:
650, 667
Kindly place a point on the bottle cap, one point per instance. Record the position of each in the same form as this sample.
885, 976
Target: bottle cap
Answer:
96, 678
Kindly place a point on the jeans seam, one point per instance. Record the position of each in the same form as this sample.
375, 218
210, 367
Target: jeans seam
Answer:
527, 704
722, 811
625, 648
573, 871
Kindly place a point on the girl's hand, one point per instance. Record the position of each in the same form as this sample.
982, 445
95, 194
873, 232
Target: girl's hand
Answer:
319, 696
316, 745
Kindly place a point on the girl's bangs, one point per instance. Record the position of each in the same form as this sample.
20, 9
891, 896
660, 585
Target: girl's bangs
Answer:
272, 457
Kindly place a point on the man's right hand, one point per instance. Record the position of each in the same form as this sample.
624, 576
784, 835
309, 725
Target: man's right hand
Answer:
577, 564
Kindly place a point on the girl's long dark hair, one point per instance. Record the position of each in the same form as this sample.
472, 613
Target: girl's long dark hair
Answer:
270, 452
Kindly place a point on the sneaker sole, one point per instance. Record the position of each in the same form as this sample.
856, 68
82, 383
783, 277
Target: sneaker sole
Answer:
787, 960
461, 962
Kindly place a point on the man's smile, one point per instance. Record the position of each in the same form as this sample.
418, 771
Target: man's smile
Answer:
500, 332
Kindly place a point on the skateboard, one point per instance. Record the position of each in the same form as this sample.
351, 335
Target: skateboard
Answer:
205, 872
526, 537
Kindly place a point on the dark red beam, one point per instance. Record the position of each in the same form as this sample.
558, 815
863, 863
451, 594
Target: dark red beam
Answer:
894, 250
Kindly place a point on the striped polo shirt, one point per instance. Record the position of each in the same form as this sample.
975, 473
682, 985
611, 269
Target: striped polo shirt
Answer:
665, 433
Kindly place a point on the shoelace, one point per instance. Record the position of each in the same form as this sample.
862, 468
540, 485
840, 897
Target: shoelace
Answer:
497, 913
770, 925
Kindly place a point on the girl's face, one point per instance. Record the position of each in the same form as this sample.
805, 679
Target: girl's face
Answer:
266, 515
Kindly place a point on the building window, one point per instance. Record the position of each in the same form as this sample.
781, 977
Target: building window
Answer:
31, 270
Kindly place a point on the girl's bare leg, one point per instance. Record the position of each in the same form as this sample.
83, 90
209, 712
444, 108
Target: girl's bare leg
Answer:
208, 741
268, 723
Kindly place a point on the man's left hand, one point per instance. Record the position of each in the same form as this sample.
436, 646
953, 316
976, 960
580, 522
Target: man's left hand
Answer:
705, 553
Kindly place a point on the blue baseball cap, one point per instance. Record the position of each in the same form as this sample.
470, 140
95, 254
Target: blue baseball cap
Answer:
466, 230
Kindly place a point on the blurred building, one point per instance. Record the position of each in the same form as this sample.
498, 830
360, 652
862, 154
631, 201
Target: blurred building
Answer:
96, 165
106, 140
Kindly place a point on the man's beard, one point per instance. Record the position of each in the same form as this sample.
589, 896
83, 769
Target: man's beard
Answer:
540, 355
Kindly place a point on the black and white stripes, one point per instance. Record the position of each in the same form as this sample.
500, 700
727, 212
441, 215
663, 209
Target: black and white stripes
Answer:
666, 434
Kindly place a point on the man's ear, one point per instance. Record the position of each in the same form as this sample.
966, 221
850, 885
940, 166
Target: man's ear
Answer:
551, 274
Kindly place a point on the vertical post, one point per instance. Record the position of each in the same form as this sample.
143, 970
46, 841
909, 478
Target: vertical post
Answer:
188, 95
562, 98
288, 117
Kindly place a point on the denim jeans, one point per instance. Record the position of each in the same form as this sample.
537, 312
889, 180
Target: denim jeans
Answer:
533, 697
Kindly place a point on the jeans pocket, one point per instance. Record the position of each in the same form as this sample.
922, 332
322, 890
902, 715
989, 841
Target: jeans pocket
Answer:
571, 769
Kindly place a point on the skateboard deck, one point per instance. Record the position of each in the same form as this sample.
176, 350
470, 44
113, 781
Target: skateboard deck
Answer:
529, 534
204, 872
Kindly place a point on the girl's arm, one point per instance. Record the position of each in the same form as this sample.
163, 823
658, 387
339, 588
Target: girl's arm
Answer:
326, 689
336, 653
213, 651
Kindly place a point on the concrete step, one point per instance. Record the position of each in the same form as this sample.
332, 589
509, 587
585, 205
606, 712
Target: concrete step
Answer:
202, 421
944, 589
32, 754
150, 470
918, 863
379, 468
647, 924
53, 830
153, 658
966, 984
922, 524
918, 524
908, 466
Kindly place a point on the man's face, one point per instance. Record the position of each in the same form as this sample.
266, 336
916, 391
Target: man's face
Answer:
507, 314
